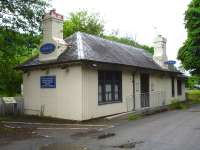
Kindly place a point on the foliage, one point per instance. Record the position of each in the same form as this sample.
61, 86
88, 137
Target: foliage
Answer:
189, 53
22, 15
129, 41
176, 104
134, 117
193, 95
84, 22
19, 28
192, 81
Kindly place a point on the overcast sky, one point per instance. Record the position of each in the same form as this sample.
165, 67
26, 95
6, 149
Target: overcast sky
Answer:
137, 18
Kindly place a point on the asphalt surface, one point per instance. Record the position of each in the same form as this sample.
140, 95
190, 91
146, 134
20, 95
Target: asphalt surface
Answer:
172, 130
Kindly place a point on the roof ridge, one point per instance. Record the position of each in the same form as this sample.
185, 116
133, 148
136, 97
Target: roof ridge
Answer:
96, 36
79, 45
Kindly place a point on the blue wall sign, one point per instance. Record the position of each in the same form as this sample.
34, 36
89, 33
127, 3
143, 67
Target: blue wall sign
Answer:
48, 81
170, 62
47, 48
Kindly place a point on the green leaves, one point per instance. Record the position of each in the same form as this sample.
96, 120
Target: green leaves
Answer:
22, 15
20, 22
84, 22
129, 41
189, 53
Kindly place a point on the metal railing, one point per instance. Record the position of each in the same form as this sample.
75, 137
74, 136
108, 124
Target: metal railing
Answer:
146, 100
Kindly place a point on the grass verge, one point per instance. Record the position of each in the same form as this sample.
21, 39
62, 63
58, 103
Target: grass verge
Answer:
132, 117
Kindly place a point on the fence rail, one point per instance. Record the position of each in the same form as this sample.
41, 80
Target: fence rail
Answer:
149, 99
11, 108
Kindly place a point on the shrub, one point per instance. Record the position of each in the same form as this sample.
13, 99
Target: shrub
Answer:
134, 117
176, 104
193, 96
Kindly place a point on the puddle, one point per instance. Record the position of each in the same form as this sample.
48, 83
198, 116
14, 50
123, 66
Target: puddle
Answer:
106, 135
128, 145
62, 147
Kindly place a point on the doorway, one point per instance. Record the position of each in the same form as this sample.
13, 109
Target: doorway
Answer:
144, 88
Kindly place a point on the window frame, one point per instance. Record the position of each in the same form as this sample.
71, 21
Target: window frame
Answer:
109, 77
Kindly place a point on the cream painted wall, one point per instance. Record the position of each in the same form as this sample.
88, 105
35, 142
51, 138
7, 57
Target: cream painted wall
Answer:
162, 84
91, 109
64, 101
76, 94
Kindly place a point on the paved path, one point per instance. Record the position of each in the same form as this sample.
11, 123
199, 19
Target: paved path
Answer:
173, 130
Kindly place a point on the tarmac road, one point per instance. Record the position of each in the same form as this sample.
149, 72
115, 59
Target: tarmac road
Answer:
173, 130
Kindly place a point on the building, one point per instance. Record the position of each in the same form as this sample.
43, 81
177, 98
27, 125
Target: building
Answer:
84, 76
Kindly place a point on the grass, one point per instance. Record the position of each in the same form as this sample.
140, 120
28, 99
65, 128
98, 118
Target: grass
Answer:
132, 117
176, 104
193, 96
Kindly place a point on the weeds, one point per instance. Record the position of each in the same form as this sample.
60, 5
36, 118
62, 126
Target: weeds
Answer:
176, 104
134, 117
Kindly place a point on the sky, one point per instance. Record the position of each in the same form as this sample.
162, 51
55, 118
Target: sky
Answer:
139, 19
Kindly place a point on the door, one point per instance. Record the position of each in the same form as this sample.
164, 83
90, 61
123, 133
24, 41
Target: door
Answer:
144, 88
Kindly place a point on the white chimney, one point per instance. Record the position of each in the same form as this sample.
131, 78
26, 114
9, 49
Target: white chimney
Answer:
52, 44
160, 55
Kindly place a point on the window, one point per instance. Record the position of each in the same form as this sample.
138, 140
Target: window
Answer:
179, 87
173, 93
109, 87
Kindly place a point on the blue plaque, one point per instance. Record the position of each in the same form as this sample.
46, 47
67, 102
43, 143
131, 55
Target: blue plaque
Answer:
48, 81
170, 62
47, 48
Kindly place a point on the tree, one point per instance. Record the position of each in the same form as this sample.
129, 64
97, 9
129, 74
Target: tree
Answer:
20, 22
84, 22
192, 81
129, 41
93, 24
189, 53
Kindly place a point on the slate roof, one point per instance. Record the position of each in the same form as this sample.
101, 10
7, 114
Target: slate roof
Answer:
92, 48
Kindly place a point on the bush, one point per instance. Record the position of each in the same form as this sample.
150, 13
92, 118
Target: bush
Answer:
176, 104
193, 95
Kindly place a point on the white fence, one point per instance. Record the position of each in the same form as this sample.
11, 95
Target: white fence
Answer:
146, 100
11, 108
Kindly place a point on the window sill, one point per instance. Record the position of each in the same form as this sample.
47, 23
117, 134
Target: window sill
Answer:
112, 102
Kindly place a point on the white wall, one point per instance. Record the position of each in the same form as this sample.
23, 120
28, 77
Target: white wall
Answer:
64, 101
91, 109
76, 94
163, 84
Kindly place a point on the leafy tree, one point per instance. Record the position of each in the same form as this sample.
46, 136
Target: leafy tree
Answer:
19, 28
192, 81
129, 41
84, 22
189, 53
93, 24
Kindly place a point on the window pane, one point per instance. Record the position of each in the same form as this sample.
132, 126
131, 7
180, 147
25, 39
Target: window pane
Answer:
100, 93
116, 91
109, 86
108, 91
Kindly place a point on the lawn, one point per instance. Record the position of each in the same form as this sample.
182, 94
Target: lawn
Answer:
193, 95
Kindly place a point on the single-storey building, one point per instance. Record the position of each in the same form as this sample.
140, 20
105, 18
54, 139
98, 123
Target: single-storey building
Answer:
85, 76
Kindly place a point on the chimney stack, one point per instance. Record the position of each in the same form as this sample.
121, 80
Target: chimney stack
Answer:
52, 43
160, 55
